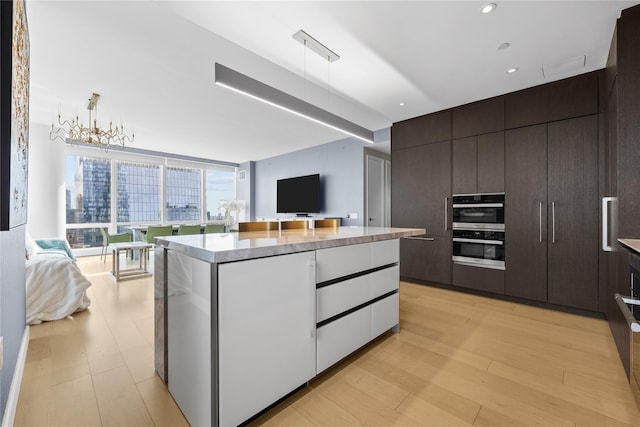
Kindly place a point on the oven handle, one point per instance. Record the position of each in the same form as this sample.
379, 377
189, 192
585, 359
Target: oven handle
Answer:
487, 242
479, 205
622, 302
473, 264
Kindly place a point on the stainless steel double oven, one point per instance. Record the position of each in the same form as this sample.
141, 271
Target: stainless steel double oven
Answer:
478, 230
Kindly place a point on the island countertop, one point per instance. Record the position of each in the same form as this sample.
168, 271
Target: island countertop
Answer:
631, 244
227, 247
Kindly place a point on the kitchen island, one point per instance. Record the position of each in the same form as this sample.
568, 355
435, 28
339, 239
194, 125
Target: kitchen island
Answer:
244, 319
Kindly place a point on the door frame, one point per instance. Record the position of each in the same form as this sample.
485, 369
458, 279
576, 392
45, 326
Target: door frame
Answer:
386, 174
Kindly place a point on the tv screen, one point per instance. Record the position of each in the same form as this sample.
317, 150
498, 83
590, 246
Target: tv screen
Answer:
300, 195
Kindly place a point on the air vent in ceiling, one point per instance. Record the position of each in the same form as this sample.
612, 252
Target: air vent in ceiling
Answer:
566, 67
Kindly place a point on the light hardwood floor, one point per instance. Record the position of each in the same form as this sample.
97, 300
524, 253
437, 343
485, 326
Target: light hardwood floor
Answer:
458, 360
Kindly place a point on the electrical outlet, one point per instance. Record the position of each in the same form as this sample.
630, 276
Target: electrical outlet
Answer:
353, 215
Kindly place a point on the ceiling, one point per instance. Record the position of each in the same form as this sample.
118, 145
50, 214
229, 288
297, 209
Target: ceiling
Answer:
152, 63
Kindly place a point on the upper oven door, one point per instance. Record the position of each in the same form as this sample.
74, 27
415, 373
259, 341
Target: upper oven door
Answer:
478, 211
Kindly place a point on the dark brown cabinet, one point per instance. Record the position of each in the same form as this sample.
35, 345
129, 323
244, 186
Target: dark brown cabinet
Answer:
573, 97
427, 259
465, 165
573, 213
491, 163
421, 188
551, 213
478, 164
621, 171
478, 118
421, 130
408, 182
525, 212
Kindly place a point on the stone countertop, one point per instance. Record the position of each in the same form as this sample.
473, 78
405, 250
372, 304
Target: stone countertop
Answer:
631, 244
226, 247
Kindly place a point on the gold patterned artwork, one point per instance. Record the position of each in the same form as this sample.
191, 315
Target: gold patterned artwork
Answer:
19, 116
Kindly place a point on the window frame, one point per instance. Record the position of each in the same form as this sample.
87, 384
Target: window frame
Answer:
162, 160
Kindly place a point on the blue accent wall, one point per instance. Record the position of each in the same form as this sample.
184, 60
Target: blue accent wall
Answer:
341, 172
12, 304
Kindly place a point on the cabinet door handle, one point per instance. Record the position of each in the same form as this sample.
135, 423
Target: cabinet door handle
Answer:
446, 214
605, 224
540, 222
553, 222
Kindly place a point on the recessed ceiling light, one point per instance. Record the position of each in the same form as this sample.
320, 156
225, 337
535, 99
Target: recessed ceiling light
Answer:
512, 70
488, 8
504, 46
402, 104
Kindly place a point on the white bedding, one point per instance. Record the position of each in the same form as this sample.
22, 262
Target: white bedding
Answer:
56, 288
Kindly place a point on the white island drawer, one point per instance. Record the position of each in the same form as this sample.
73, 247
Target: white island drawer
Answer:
338, 339
342, 337
341, 261
342, 296
385, 314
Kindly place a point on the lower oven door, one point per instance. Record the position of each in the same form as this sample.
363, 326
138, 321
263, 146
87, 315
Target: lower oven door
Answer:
479, 253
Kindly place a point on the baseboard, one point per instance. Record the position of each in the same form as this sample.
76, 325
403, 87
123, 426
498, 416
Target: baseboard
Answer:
14, 391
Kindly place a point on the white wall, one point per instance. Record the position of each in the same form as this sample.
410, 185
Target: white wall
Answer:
46, 205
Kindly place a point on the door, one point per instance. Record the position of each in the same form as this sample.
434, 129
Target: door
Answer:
375, 192
525, 212
573, 213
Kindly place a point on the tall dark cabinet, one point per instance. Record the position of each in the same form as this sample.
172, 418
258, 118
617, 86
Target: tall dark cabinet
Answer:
526, 212
551, 215
572, 212
421, 189
621, 148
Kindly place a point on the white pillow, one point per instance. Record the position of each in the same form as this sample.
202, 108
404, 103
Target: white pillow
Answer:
30, 245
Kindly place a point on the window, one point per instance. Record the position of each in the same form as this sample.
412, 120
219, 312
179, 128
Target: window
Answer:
144, 190
220, 186
88, 192
139, 192
183, 194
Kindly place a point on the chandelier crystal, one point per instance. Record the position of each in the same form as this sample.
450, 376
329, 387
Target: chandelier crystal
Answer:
75, 132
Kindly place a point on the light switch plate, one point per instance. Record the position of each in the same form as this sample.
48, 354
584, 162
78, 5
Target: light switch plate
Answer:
1, 351
353, 215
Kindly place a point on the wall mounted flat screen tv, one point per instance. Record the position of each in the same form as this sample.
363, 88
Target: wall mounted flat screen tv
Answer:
299, 195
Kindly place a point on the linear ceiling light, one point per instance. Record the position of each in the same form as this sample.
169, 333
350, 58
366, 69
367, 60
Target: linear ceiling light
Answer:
226, 77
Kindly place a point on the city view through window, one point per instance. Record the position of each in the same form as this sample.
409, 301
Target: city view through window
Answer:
139, 190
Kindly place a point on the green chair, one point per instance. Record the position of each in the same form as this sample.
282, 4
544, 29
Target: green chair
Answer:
108, 239
213, 228
189, 229
154, 231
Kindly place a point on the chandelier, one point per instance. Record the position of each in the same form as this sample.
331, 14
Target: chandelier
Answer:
75, 132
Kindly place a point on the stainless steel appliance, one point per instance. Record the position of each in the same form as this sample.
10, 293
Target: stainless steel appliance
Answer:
627, 306
478, 211
479, 248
